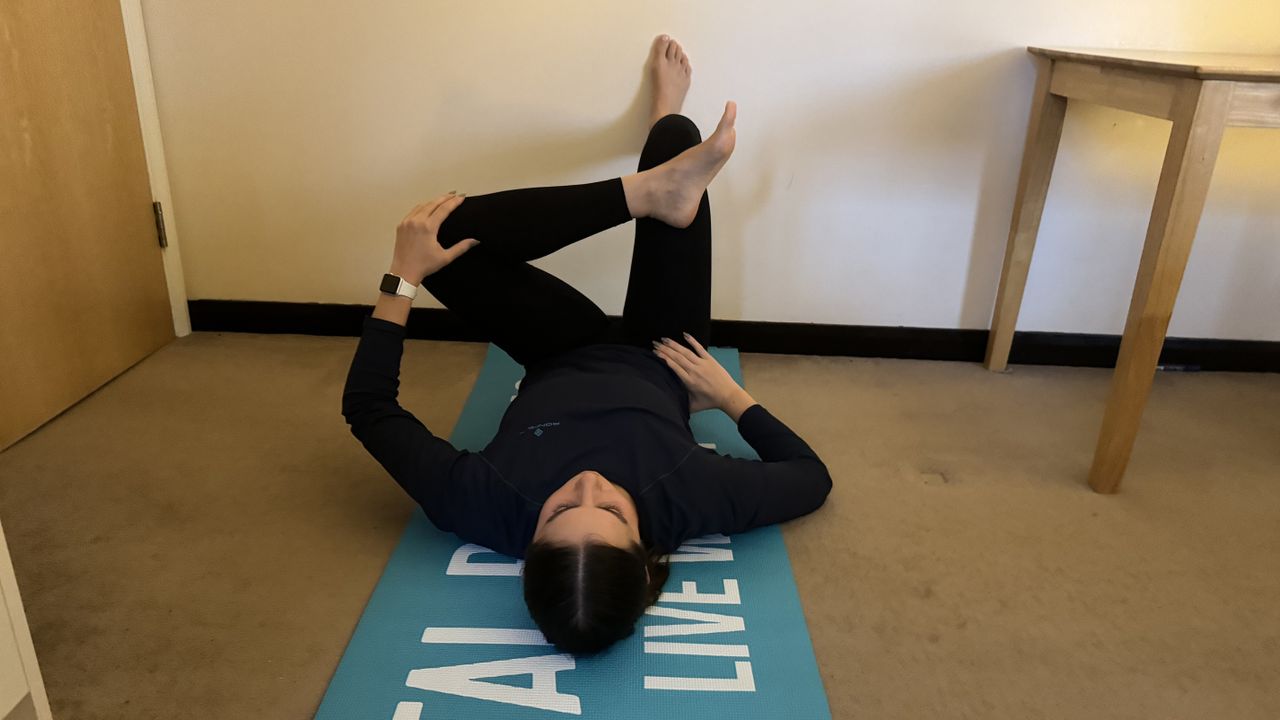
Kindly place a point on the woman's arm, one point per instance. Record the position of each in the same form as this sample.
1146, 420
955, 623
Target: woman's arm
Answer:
736, 403
418, 460
459, 491
393, 308
733, 495
423, 464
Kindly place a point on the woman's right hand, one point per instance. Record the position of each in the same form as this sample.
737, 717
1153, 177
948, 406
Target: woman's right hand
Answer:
709, 384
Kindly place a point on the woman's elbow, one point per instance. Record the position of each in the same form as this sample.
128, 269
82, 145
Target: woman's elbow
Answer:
350, 408
358, 410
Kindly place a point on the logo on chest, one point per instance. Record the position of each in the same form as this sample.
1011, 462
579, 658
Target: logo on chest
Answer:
540, 428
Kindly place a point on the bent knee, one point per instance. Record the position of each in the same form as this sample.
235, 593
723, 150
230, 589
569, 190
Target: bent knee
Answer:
677, 128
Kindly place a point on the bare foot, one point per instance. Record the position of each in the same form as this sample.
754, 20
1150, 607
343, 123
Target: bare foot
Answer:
674, 189
671, 73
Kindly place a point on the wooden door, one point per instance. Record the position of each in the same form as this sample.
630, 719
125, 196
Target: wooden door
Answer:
82, 287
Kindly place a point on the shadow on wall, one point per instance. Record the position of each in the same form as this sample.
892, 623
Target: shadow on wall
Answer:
489, 157
933, 156
1118, 156
898, 146
555, 153
901, 147
1254, 268
785, 201
499, 162
895, 150
1008, 88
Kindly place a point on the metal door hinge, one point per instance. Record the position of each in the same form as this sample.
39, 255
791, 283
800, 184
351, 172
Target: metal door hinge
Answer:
159, 213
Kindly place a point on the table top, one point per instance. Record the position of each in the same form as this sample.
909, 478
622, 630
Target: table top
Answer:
1206, 66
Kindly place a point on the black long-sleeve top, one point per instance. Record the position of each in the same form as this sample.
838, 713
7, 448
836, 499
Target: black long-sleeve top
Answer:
615, 409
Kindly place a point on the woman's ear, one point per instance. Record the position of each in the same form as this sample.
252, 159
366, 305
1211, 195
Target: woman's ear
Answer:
655, 572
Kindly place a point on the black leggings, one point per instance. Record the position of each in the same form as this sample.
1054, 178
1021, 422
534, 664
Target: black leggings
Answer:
533, 315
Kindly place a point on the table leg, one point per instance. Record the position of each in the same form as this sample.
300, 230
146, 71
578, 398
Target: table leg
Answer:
1200, 113
1044, 130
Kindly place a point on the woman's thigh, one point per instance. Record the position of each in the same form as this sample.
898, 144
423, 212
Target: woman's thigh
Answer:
526, 311
669, 289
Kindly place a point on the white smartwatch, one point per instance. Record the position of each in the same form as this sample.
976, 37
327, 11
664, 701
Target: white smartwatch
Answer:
396, 285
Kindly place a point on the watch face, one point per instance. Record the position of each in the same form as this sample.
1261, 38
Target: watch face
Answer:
390, 283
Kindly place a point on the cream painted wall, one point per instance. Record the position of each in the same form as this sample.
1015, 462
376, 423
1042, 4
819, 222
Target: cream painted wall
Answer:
877, 154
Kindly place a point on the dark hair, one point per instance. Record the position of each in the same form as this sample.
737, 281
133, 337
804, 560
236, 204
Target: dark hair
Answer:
586, 597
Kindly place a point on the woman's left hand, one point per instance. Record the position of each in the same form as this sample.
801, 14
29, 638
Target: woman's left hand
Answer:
418, 252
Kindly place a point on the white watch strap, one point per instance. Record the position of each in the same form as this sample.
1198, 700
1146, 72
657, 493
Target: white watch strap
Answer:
407, 289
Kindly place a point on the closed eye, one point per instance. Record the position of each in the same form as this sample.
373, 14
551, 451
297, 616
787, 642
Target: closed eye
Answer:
616, 511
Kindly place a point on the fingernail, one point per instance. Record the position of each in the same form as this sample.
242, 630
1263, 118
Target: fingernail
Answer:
453, 192
463, 195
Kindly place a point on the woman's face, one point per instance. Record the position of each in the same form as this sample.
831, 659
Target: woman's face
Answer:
588, 506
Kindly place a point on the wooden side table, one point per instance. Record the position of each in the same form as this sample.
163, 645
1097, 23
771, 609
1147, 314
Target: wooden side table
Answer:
1202, 94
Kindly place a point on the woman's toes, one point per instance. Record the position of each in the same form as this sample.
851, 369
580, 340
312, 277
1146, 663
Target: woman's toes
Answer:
669, 68
660, 44
729, 117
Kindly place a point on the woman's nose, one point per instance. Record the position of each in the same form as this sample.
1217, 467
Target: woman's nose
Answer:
592, 482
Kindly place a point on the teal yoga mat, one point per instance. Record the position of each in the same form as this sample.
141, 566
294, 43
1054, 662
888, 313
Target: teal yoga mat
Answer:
446, 635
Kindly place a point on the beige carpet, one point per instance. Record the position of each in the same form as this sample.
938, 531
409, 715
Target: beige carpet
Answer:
198, 538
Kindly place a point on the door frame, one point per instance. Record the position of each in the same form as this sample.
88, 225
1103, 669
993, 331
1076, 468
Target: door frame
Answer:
135, 32
11, 614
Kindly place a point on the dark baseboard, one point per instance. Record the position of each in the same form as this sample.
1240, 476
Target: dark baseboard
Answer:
1029, 348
